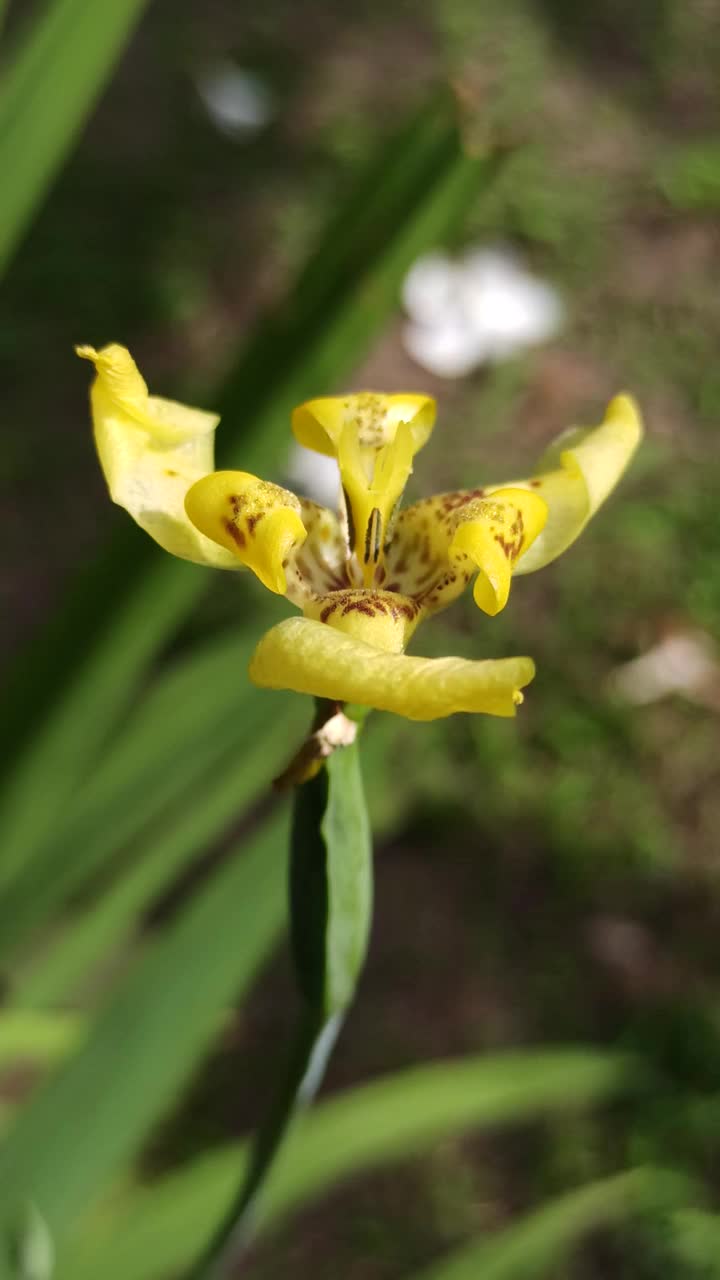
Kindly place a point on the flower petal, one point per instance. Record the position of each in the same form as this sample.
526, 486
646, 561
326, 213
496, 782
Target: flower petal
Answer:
254, 520
319, 424
494, 533
309, 657
576, 475
151, 450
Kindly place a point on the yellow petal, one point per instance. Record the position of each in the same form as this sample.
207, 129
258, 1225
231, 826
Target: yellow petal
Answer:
151, 450
318, 424
373, 498
309, 657
254, 520
576, 475
493, 533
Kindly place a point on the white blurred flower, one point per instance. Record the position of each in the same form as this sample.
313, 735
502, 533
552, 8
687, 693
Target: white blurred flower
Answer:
238, 102
479, 308
315, 475
683, 662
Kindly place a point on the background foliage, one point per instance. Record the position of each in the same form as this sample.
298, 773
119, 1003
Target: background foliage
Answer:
550, 882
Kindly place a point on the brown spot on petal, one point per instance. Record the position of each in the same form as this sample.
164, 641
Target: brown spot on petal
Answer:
236, 534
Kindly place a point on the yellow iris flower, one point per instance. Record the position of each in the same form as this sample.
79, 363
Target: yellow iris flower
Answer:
366, 576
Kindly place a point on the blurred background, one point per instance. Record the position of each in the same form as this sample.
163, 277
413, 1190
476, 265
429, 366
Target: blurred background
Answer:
265, 203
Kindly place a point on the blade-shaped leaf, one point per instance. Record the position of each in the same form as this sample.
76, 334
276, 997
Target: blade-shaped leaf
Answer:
149, 1232
38, 1037
144, 1045
198, 752
331, 882
45, 94
536, 1245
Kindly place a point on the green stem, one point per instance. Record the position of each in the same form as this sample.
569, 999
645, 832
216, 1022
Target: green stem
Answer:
330, 889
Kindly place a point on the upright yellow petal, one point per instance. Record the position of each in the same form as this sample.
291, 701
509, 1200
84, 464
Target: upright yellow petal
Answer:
576, 475
374, 417
256, 521
151, 450
309, 657
374, 438
372, 489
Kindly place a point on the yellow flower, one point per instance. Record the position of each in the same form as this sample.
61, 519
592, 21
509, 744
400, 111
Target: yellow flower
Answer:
366, 576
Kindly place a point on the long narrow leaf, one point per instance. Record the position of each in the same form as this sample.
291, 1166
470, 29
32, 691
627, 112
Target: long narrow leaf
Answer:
172, 843
228, 740
46, 95
92, 1116
536, 1245
152, 1231
36, 1037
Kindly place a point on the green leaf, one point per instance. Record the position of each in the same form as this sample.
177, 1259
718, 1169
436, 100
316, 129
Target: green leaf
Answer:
196, 753
147, 1232
173, 841
73, 684
45, 95
331, 903
536, 1245
348, 841
37, 1037
331, 882
93, 1115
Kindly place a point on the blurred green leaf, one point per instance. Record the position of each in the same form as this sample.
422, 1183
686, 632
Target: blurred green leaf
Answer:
73, 683
537, 1244
148, 1232
197, 752
144, 1045
695, 1237
46, 93
689, 176
38, 1037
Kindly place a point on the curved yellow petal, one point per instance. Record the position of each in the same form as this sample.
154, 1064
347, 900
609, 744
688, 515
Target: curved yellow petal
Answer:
576, 475
151, 450
309, 657
318, 424
493, 533
253, 519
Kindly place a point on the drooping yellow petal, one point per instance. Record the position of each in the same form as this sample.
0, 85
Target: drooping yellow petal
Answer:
440, 543
492, 534
576, 475
151, 450
309, 657
374, 417
256, 521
